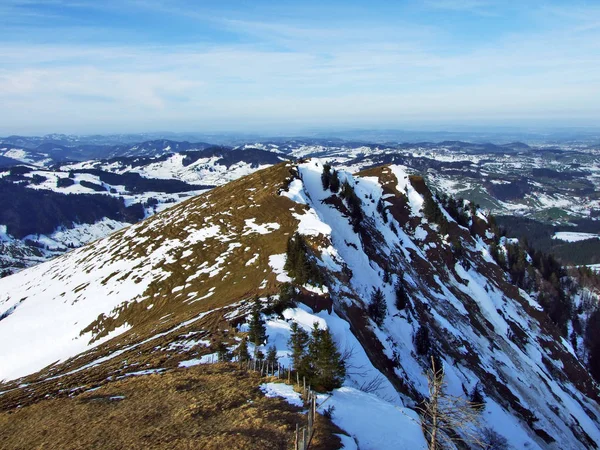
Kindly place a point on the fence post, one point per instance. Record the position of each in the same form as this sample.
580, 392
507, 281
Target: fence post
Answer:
296, 439
304, 387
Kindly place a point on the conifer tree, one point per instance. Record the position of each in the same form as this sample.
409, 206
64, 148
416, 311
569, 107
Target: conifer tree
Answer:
401, 296
272, 356
378, 307
326, 176
298, 343
327, 369
334, 183
476, 398
223, 353
298, 263
257, 331
286, 298
422, 341
354, 204
242, 351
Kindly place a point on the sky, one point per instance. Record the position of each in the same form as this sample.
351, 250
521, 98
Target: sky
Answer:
78, 66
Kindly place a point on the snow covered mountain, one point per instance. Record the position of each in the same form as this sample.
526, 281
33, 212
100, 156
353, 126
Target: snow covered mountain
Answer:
78, 203
161, 294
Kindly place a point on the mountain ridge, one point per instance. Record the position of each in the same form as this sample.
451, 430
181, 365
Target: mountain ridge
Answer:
204, 260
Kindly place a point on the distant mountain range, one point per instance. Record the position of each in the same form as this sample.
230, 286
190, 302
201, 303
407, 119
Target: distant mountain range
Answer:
553, 184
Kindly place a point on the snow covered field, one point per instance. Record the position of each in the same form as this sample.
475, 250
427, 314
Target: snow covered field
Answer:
571, 236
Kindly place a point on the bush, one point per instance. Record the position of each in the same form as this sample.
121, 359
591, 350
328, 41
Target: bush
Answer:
491, 440
328, 412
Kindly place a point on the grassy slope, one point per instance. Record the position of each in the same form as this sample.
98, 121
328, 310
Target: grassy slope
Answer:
207, 406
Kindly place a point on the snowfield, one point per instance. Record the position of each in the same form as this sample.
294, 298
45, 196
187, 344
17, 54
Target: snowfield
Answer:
571, 236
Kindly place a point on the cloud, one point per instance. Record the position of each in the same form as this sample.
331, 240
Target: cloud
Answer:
301, 72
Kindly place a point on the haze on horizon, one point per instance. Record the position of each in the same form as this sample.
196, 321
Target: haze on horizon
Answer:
78, 66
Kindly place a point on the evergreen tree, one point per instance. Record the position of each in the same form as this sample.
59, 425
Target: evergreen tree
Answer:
272, 356
476, 398
257, 332
328, 368
326, 176
334, 183
380, 206
422, 341
299, 265
242, 351
432, 211
287, 294
298, 343
401, 296
378, 307
223, 353
592, 343
354, 205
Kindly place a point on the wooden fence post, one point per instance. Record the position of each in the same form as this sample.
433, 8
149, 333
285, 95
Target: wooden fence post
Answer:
296, 439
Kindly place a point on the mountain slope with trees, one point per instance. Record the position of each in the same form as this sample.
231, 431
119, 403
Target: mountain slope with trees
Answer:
393, 277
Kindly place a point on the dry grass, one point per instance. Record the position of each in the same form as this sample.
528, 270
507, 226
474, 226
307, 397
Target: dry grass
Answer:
208, 406
229, 206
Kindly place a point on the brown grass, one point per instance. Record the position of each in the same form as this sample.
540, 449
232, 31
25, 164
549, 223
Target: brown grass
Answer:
203, 407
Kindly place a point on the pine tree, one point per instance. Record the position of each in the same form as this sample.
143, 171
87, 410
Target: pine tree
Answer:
287, 294
443, 414
401, 296
422, 341
223, 353
272, 356
299, 265
327, 369
354, 205
378, 307
298, 343
326, 176
476, 398
257, 332
334, 183
242, 351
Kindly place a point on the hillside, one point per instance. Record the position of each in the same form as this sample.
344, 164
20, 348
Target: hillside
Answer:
162, 293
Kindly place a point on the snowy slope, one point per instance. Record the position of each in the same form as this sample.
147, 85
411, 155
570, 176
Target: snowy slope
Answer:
450, 299
147, 286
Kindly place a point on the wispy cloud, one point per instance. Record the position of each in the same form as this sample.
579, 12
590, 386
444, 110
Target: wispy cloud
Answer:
294, 72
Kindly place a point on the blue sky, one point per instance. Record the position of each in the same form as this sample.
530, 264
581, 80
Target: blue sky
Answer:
79, 66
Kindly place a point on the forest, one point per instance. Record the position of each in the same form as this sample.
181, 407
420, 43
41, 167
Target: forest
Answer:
27, 211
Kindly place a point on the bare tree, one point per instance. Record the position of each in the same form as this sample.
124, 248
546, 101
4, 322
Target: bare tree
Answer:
445, 417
